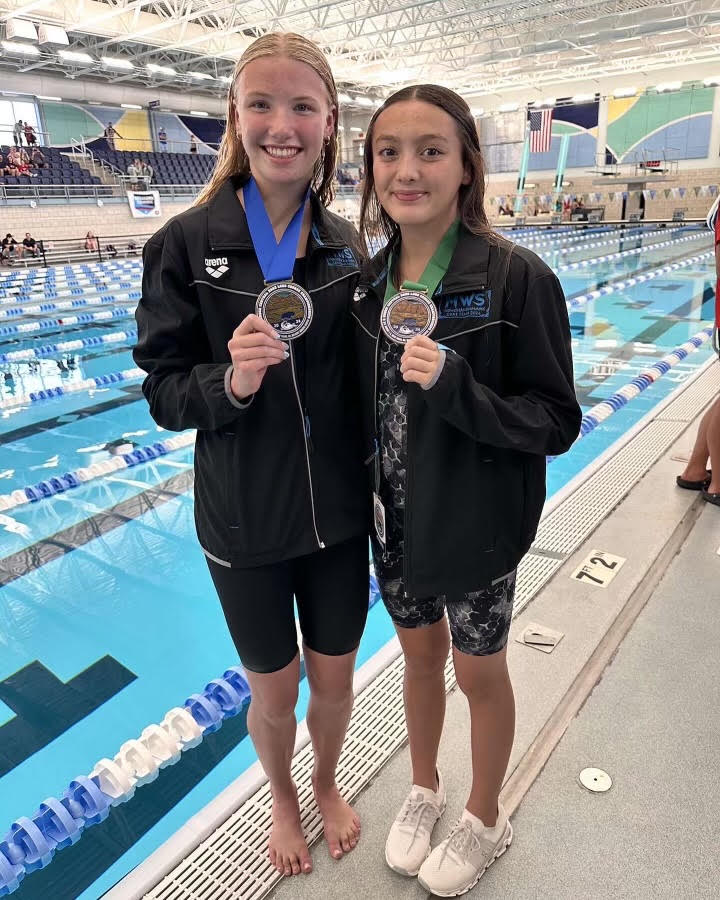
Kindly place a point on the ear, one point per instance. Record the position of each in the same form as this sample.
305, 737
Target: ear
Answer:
330, 121
467, 175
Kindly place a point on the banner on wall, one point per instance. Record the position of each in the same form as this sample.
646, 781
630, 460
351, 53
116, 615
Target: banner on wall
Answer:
144, 204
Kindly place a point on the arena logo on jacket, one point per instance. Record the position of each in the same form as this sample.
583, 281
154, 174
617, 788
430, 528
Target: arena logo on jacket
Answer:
475, 305
216, 267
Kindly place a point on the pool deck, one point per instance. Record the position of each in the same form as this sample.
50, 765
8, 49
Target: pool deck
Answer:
632, 688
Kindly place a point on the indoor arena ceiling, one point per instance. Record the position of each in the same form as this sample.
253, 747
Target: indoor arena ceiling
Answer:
474, 47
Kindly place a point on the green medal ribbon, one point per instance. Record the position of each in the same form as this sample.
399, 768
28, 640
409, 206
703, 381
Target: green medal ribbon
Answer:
435, 270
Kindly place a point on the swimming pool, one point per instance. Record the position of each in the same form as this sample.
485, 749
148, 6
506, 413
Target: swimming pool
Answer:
106, 579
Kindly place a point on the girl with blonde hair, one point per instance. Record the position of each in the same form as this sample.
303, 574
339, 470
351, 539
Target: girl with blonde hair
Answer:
243, 329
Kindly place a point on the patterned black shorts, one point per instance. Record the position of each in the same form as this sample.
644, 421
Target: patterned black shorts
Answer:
479, 621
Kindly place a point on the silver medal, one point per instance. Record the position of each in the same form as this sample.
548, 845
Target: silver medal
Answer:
407, 315
287, 307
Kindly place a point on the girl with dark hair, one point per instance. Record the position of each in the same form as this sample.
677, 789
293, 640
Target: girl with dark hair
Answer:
280, 500
465, 364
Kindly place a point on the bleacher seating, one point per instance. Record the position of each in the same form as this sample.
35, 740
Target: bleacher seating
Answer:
168, 168
59, 170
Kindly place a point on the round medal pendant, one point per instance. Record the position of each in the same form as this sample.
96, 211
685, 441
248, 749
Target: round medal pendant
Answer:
407, 315
287, 307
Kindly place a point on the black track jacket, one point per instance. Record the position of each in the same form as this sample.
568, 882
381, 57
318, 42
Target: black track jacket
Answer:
281, 476
478, 439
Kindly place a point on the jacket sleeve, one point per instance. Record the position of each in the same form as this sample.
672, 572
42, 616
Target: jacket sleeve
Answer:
183, 389
540, 413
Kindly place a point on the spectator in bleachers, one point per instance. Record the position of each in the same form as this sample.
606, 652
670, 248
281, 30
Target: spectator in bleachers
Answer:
8, 247
37, 159
18, 161
29, 245
30, 136
133, 171
18, 130
91, 243
146, 173
193, 144
110, 134
162, 139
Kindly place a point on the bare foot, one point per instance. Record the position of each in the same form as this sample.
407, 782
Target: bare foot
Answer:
340, 824
287, 846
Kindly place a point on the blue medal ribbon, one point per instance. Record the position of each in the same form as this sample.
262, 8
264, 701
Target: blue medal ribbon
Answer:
277, 260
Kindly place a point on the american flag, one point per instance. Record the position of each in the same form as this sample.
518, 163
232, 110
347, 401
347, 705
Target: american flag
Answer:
540, 130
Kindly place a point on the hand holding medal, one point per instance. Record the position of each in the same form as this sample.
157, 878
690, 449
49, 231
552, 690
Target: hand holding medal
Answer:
420, 361
253, 347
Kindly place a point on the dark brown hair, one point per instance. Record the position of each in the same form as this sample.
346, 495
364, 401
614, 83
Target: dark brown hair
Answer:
374, 221
232, 158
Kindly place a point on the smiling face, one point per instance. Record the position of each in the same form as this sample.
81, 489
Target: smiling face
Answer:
283, 116
418, 165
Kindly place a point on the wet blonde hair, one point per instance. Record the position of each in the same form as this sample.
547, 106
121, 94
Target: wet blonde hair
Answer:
232, 158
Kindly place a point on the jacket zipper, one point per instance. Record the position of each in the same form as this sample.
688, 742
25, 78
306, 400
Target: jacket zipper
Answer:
305, 425
406, 517
376, 439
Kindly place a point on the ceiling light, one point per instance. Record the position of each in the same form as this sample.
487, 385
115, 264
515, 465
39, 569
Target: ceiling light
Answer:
197, 112
508, 107
669, 43
364, 101
27, 49
344, 98
225, 78
477, 111
203, 75
582, 98
52, 34
625, 92
75, 56
46, 97
21, 30
116, 62
161, 70
130, 106
355, 128
668, 86
341, 128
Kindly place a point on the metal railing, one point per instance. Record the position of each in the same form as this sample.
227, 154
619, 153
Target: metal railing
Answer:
98, 248
7, 138
37, 194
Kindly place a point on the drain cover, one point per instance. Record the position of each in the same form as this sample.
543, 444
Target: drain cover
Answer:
595, 780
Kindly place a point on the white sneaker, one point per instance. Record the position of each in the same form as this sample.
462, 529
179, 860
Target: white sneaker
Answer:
408, 842
456, 865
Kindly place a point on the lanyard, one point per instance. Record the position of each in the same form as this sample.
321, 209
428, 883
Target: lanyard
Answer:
435, 270
277, 259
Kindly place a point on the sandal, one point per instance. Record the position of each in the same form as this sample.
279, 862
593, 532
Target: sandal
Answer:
694, 485
711, 498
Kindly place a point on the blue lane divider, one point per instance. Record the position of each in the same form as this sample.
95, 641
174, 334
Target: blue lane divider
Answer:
603, 410
65, 346
61, 483
16, 312
75, 386
579, 299
121, 312
59, 822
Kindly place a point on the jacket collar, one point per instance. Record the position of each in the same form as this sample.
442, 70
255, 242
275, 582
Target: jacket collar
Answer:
468, 267
228, 228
